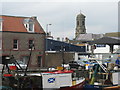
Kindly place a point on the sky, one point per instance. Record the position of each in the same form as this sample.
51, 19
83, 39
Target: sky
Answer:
101, 15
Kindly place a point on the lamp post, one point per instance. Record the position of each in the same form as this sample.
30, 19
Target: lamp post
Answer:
47, 28
46, 38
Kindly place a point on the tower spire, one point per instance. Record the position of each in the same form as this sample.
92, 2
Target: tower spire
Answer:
80, 11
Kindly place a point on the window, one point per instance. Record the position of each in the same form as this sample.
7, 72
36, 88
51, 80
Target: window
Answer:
83, 22
29, 24
100, 45
25, 59
26, 25
31, 44
15, 44
77, 23
31, 29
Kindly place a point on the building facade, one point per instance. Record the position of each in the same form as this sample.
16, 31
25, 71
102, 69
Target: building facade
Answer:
21, 34
58, 52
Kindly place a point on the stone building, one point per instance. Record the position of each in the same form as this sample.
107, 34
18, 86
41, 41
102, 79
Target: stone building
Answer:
17, 36
80, 25
82, 38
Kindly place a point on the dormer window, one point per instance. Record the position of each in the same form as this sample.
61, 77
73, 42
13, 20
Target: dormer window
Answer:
31, 27
29, 24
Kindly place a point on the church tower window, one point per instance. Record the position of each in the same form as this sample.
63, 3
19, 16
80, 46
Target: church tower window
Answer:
77, 23
83, 22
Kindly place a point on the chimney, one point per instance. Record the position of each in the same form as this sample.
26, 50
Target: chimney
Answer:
34, 17
66, 39
62, 39
58, 38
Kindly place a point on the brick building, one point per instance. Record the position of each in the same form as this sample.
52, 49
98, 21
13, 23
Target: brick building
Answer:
17, 36
58, 52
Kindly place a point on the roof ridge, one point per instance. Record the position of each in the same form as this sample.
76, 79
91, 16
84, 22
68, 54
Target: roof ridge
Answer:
15, 16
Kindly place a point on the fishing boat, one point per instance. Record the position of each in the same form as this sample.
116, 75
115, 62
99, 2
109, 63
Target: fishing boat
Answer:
62, 80
103, 79
57, 79
51, 80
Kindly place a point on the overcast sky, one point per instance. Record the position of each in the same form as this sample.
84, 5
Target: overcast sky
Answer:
101, 16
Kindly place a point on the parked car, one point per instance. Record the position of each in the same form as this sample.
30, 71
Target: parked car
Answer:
7, 59
76, 64
66, 66
22, 65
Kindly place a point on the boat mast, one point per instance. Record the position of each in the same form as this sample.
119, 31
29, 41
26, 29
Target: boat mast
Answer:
62, 51
31, 49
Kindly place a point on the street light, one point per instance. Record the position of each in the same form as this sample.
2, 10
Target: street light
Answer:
47, 28
46, 39
47, 33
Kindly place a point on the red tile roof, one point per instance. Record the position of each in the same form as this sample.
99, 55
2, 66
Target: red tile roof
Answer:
15, 24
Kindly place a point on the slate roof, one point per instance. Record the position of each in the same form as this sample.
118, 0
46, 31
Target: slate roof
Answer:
15, 24
54, 45
89, 37
112, 34
107, 40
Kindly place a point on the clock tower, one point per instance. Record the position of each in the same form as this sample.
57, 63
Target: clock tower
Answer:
80, 25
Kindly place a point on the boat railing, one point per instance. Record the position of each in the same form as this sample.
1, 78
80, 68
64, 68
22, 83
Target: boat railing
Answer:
103, 67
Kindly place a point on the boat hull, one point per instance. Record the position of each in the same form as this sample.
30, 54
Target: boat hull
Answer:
79, 86
101, 87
